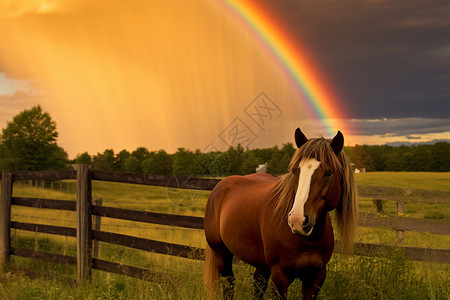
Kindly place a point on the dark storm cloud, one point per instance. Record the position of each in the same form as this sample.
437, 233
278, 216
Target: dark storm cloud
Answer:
401, 127
386, 59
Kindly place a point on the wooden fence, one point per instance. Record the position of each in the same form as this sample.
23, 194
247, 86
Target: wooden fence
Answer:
85, 234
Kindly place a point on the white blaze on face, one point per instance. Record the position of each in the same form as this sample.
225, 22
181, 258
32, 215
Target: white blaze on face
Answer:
296, 215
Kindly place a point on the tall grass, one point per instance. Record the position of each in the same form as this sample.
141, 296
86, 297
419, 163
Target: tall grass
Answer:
390, 277
347, 278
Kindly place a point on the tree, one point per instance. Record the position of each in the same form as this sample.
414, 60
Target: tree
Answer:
185, 164
219, 165
83, 158
105, 161
250, 163
441, 157
278, 164
280, 160
131, 164
421, 158
234, 159
288, 149
29, 143
141, 154
121, 157
265, 154
360, 157
205, 161
160, 164
378, 156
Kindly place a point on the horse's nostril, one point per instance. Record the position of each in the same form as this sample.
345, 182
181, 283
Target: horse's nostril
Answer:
290, 214
306, 221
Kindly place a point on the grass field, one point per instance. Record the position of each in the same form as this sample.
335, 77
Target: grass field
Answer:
348, 277
433, 181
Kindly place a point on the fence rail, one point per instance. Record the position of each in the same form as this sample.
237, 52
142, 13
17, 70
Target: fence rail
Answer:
86, 210
399, 194
50, 229
45, 203
182, 182
148, 217
403, 223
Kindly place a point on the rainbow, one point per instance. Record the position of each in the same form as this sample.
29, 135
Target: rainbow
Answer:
290, 58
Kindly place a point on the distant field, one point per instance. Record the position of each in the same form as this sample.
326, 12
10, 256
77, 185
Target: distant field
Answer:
348, 278
435, 181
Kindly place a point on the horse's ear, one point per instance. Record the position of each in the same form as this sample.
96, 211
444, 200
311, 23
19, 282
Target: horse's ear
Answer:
300, 138
337, 143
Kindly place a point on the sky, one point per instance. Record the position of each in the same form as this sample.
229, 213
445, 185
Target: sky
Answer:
168, 74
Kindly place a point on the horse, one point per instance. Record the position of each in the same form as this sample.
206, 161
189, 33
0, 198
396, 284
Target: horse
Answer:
282, 225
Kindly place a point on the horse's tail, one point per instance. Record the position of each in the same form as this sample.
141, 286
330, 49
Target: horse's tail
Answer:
211, 273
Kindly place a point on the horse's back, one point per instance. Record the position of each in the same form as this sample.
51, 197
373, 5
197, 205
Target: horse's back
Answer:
234, 214
239, 190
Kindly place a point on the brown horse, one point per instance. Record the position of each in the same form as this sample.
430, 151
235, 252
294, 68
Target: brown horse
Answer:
282, 225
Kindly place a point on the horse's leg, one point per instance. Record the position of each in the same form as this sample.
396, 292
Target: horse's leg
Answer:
280, 283
224, 262
312, 283
261, 276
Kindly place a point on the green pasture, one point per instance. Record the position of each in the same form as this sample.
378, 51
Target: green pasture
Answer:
433, 181
388, 277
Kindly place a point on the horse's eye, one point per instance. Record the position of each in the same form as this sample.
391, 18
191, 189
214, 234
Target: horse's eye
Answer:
327, 174
293, 171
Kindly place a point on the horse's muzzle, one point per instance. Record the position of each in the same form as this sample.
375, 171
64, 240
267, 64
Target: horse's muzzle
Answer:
304, 229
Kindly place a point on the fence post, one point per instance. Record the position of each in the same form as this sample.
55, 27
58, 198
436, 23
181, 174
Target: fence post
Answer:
400, 212
5, 217
84, 224
379, 204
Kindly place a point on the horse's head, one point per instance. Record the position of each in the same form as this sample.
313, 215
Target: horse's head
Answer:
318, 173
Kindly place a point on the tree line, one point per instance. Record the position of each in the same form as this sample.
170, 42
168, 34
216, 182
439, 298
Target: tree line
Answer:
426, 158
237, 160
184, 162
29, 143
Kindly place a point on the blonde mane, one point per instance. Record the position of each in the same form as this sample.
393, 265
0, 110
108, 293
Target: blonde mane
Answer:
347, 210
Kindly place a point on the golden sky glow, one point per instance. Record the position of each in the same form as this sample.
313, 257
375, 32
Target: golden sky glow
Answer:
160, 74
156, 74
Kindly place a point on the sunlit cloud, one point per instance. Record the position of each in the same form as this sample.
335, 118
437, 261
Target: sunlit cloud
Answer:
10, 86
401, 126
12, 104
18, 8
416, 130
